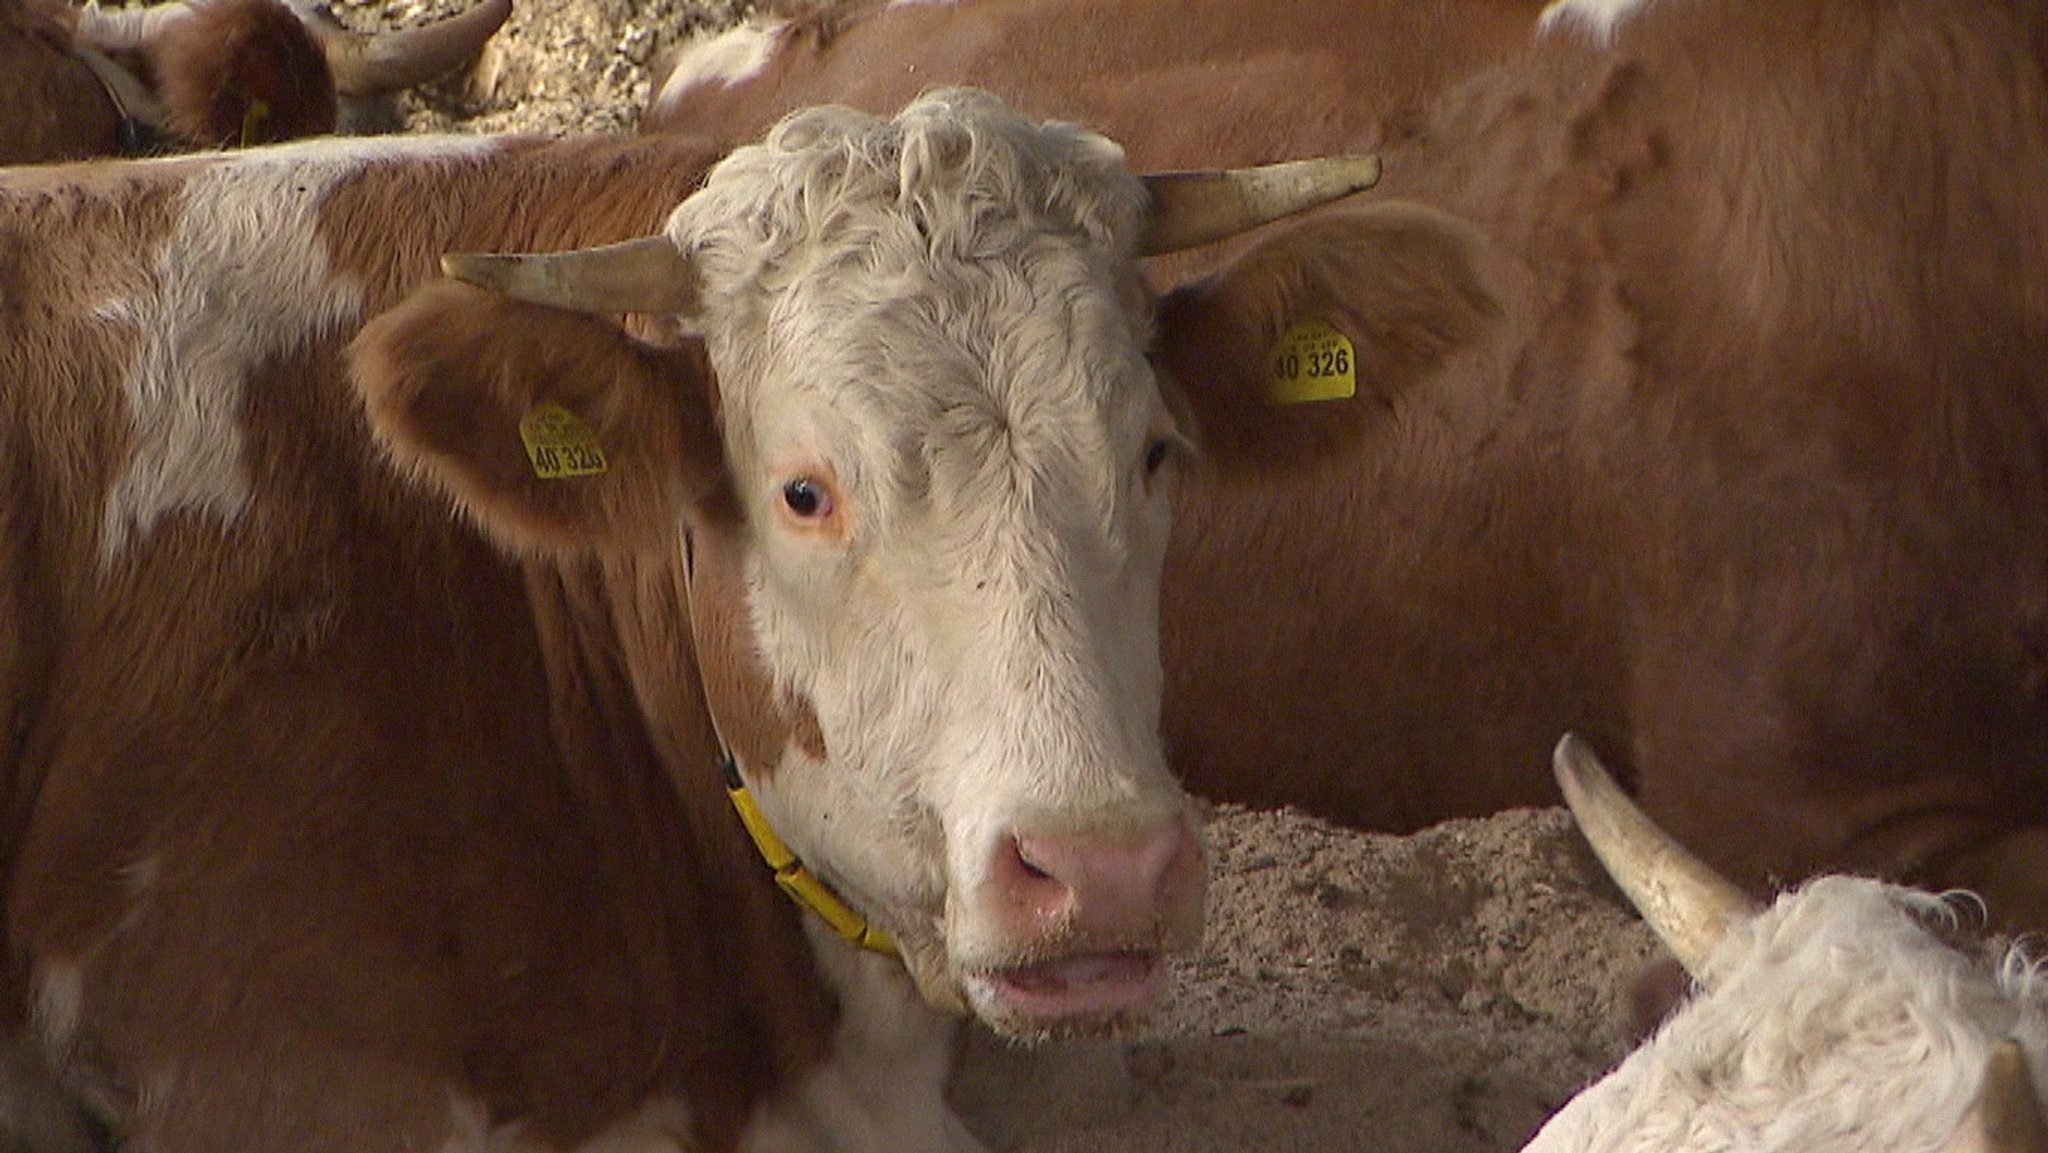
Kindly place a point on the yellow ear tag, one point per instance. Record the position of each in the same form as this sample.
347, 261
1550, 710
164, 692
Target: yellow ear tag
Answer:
559, 444
1312, 362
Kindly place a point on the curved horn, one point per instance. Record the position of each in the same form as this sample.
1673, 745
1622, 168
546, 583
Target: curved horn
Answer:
644, 275
126, 29
367, 64
1191, 208
1690, 906
2006, 1116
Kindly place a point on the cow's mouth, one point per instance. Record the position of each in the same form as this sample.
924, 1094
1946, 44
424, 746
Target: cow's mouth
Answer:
1087, 992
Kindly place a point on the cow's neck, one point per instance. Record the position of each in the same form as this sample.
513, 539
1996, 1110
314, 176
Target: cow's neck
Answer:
716, 594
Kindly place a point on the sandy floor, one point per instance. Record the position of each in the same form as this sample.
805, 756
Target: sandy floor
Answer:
1428, 994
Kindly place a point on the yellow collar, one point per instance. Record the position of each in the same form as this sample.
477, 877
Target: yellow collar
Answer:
802, 885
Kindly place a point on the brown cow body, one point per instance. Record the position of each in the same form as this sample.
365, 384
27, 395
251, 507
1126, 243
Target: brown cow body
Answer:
1744, 477
372, 780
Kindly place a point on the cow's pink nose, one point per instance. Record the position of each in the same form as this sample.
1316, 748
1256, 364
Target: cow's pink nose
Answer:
1096, 882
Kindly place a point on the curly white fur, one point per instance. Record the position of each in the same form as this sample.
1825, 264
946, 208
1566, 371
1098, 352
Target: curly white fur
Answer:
1842, 1020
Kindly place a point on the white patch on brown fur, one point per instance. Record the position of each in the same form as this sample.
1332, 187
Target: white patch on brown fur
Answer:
1598, 19
883, 1089
725, 59
243, 278
59, 1005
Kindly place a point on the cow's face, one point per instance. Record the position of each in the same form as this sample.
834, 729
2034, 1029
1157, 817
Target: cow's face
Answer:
924, 516
951, 465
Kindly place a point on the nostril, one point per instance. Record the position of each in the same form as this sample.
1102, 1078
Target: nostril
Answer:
1110, 876
1029, 880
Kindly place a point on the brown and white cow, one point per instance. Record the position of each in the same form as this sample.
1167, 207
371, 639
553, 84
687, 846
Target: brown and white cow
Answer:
1740, 471
364, 713
77, 83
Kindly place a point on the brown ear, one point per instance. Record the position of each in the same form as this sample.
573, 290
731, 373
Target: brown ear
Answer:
1399, 283
553, 430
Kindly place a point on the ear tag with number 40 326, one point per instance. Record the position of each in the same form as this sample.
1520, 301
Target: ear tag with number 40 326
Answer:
1313, 361
559, 444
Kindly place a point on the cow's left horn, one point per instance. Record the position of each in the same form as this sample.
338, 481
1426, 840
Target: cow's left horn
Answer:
645, 275
368, 64
1191, 208
2006, 1117
1690, 906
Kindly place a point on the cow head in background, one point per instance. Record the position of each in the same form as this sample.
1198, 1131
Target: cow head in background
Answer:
76, 83
923, 505
1851, 1015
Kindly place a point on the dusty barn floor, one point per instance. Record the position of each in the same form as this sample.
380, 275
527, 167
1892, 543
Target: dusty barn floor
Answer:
1439, 993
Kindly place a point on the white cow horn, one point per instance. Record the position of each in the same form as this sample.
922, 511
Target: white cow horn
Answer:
1191, 208
125, 29
2006, 1117
366, 64
1690, 906
645, 275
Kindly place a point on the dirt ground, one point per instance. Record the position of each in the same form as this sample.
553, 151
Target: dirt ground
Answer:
1439, 993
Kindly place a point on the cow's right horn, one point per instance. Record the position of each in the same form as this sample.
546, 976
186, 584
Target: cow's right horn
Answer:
645, 275
1191, 208
1690, 906
2006, 1116
368, 64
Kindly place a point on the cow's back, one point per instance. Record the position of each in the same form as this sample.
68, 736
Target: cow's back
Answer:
1204, 84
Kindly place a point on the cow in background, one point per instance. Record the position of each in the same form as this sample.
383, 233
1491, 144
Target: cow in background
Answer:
76, 83
372, 721
1849, 1016
1741, 474
1227, 78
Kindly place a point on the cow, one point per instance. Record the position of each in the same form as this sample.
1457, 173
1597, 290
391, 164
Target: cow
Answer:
1849, 1015
1738, 470
384, 656
80, 83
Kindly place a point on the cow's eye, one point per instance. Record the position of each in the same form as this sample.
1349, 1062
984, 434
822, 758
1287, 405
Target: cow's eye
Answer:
1156, 454
806, 498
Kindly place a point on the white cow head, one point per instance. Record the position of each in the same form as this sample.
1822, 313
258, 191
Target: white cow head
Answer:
1850, 1017
924, 510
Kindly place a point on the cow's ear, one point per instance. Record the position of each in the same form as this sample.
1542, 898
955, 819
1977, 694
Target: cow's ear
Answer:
1303, 344
553, 430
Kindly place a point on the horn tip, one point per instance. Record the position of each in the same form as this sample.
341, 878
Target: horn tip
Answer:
1573, 763
1364, 171
470, 267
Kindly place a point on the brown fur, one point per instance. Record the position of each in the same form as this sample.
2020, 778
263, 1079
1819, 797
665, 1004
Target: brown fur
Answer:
340, 809
1223, 67
54, 108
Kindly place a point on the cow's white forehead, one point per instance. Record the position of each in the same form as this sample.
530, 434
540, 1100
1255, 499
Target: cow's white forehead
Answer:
958, 270
955, 176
